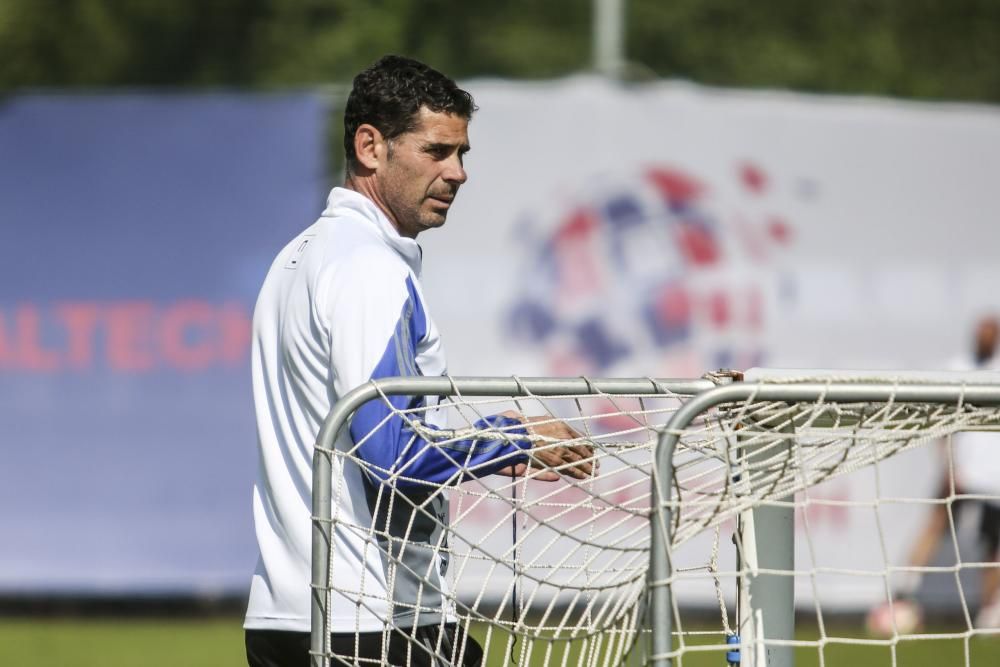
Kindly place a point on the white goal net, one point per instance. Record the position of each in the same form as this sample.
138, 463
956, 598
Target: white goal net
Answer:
551, 567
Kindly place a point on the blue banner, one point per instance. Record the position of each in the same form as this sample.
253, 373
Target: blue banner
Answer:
135, 231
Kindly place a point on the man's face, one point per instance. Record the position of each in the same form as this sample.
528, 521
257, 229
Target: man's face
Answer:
422, 171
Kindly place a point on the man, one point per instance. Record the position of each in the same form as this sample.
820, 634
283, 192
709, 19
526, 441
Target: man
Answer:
975, 458
342, 305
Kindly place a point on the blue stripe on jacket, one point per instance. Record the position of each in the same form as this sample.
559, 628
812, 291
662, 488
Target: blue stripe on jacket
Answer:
395, 448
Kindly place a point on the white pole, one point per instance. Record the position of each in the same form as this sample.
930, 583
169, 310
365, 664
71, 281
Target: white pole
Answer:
609, 37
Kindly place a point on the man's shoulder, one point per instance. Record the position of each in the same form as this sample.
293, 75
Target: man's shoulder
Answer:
333, 246
367, 262
968, 363
355, 261
962, 363
354, 246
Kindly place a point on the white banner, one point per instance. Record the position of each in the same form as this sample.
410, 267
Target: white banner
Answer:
667, 230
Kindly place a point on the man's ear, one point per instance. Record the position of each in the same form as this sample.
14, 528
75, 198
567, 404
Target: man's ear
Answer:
369, 146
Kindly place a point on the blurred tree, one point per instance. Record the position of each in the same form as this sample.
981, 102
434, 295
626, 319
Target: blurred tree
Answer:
127, 42
911, 48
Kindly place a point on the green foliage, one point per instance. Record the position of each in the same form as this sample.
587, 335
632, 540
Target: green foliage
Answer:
912, 48
127, 42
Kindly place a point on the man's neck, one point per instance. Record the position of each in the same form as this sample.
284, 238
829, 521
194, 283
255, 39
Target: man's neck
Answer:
365, 185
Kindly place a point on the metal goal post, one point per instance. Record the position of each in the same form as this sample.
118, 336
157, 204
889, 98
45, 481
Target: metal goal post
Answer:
512, 387
771, 596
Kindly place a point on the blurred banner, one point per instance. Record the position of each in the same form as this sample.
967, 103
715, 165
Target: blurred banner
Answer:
134, 233
667, 229
655, 230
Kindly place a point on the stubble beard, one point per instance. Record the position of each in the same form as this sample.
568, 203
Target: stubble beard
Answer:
421, 214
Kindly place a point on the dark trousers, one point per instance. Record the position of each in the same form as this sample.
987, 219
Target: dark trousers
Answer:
407, 648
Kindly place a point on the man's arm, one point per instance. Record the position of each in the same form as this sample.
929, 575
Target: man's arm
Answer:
384, 323
377, 321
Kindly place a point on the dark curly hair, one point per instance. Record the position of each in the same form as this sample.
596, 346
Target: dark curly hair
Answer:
389, 94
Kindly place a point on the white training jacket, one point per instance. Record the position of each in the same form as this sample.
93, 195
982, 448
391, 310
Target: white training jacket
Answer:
976, 454
342, 305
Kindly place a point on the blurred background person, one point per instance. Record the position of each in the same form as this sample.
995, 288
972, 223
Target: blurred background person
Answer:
969, 491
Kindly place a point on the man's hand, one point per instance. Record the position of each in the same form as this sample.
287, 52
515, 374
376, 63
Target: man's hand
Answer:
553, 460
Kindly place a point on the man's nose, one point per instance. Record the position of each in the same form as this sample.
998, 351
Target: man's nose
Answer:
455, 171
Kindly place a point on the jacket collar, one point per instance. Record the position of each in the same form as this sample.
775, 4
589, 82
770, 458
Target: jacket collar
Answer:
343, 202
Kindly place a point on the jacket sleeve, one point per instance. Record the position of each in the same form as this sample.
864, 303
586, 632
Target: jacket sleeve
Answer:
377, 321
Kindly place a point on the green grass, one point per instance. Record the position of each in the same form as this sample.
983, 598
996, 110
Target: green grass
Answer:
122, 643
983, 651
219, 643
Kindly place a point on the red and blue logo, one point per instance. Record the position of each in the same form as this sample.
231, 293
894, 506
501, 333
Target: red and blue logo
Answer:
657, 272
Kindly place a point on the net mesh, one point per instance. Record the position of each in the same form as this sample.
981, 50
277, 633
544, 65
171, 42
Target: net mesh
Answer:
557, 572
875, 489
539, 572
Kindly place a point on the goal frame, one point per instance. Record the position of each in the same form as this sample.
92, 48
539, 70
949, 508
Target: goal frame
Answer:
339, 417
771, 595
774, 596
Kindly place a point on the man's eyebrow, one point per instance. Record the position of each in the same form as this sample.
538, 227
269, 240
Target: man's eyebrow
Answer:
441, 145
